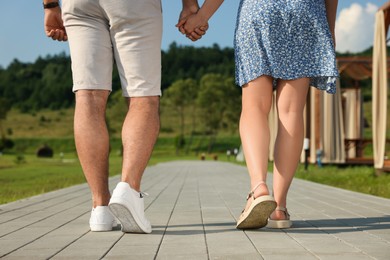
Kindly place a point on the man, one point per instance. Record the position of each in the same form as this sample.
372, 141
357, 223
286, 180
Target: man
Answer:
128, 31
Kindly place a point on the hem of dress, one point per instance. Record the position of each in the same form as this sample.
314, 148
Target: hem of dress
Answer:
329, 86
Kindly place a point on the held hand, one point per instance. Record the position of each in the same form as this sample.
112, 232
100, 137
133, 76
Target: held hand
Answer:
184, 14
197, 33
54, 26
195, 27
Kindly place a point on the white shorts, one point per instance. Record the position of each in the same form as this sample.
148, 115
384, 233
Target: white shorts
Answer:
128, 31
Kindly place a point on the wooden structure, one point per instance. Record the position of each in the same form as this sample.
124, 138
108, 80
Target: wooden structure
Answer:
380, 88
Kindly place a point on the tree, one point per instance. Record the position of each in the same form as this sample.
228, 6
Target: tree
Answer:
232, 104
219, 101
181, 96
5, 107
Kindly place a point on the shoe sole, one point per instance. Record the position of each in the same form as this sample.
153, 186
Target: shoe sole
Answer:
126, 218
258, 213
279, 224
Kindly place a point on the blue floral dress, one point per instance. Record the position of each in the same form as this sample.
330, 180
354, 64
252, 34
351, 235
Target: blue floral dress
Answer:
285, 39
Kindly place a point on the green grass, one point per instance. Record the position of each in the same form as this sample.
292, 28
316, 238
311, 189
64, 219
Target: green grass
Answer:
35, 176
45, 123
356, 178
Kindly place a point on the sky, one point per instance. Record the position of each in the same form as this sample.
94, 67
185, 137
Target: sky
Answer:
22, 36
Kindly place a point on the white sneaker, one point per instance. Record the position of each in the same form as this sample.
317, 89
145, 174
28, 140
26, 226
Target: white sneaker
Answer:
128, 206
101, 219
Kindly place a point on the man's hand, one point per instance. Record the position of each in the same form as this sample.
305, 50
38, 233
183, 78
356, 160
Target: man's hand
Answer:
191, 31
184, 15
193, 27
54, 26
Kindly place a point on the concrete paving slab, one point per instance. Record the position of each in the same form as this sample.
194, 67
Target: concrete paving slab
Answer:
193, 207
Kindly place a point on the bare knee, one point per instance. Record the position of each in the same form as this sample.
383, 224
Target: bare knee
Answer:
291, 97
257, 96
91, 101
289, 113
146, 104
92, 97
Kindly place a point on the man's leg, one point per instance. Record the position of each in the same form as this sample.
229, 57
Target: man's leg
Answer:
139, 134
136, 31
92, 142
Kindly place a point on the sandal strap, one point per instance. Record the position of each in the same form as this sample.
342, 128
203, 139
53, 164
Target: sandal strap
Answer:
252, 192
280, 208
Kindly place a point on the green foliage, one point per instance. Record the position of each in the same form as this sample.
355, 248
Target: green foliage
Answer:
47, 82
179, 143
5, 106
43, 84
181, 96
30, 145
182, 62
6, 144
219, 101
20, 159
117, 109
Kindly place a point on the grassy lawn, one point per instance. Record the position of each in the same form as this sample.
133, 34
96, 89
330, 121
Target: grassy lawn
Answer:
23, 175
355, 178
36, 176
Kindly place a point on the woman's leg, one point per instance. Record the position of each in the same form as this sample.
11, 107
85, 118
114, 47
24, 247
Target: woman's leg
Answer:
254, 130
291, 99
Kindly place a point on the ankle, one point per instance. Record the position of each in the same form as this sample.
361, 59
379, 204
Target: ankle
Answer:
135, 185
280, 213
101, 200
259, 188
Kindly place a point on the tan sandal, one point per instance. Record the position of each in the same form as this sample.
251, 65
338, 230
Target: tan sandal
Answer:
283, 223
258, 212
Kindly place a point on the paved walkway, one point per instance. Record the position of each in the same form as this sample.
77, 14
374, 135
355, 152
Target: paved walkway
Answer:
193, 207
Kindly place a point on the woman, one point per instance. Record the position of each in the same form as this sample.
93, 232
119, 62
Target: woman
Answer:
287, 46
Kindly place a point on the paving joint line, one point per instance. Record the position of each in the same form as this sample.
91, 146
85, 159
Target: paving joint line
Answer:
170, 216
42, 219
112, 246
72, 242
14, 250
38, 202
201, 217
76, 196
